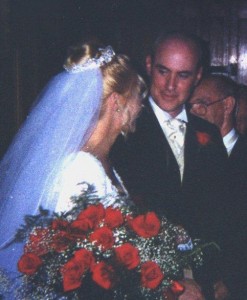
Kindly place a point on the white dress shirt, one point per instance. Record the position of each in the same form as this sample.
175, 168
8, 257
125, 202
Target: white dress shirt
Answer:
175, 139
230, 140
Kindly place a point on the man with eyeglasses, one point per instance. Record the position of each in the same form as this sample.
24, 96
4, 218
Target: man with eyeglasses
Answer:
214, 100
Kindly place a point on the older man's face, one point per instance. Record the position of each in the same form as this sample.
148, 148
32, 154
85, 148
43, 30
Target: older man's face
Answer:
174, 73
205, 94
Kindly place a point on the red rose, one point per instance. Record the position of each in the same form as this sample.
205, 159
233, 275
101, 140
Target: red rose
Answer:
29, 263
151, 275
176, 287
128, 255
103, 237
85, 257
103, 275
60, 224
175, 290
61, 241
38, 242
113, 217
78, 228
203, 138
94, 214
146, 225
72, 273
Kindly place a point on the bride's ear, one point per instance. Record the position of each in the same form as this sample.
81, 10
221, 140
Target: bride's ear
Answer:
116, 102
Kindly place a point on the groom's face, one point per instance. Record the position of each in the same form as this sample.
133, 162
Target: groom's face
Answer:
174, 72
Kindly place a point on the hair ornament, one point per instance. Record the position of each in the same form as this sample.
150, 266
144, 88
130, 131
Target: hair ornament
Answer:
106, 56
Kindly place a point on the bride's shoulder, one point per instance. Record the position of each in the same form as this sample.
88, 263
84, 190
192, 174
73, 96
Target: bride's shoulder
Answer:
83, 160
86, 158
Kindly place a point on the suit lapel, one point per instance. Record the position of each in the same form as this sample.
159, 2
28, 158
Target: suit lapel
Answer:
191, 150
163, 152
237, 149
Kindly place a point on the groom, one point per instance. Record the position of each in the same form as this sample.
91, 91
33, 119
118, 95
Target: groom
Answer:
174, 162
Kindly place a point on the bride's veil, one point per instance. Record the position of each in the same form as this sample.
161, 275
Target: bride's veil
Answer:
59, 124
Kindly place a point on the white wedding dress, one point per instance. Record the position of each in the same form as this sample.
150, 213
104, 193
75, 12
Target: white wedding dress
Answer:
86, 168
80, 168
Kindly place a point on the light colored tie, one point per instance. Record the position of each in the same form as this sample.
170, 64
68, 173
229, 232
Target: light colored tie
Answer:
175, 132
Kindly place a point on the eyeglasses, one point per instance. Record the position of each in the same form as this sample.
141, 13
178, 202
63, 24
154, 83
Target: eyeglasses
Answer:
202, 106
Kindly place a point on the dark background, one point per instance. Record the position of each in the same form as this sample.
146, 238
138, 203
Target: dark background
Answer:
35, 36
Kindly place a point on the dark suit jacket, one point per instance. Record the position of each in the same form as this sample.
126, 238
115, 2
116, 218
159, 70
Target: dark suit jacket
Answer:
236, 244
238, 176
150, 171
237, 163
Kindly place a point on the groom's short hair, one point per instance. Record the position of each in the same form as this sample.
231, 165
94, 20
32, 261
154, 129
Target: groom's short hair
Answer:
189, 38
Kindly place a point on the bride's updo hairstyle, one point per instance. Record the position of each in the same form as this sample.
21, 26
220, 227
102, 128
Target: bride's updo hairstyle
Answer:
119, 75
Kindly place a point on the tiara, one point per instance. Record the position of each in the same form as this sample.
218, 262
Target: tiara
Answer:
106, 56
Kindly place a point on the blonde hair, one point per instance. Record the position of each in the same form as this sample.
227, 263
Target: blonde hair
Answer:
119, 75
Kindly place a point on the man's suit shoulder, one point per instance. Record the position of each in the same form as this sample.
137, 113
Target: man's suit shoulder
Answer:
202, 125
239, 151
243, 141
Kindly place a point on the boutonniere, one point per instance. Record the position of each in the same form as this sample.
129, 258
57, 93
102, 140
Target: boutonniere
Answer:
203, 138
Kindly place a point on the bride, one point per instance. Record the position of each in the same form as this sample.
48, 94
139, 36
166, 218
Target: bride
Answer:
66, 140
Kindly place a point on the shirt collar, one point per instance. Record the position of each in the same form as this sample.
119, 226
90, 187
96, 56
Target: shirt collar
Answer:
230, 139
163, 116
231, 135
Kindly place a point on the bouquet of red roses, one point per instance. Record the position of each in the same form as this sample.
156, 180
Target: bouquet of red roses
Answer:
106, 252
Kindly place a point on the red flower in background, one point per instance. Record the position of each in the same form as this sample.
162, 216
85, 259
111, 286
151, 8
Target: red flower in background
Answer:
103, 237
113, 217
176, 287
85, 257
151, 275
72, 273
128, 255
75, 268
60, 224
146, 225
61, 241
103, 275
93, 214
29, 263
78, 228
203, 138
175, 290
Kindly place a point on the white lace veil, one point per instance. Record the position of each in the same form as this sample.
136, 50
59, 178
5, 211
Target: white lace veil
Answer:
59, 124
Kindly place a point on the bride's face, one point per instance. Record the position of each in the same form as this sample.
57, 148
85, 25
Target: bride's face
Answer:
130, 114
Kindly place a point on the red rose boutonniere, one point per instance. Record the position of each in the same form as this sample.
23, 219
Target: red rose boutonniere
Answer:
203, 138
